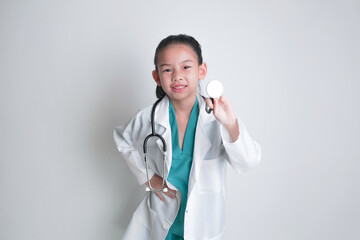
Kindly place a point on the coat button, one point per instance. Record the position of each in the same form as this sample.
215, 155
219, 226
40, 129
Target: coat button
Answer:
186, 211
166, 225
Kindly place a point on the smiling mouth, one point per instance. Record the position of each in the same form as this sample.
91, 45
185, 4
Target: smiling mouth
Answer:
178, 88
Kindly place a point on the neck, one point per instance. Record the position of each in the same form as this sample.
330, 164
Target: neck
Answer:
183, 106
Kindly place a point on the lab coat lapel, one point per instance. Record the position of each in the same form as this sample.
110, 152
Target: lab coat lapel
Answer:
202, 142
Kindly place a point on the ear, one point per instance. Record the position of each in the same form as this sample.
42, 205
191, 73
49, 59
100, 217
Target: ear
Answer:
202, 71
156, 77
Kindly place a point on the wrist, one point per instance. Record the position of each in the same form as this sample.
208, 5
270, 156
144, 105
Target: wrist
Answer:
233, 129
231, 124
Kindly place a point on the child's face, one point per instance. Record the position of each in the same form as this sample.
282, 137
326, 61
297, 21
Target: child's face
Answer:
179, 72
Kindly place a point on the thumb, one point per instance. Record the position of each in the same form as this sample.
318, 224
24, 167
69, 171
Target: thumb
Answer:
216, 103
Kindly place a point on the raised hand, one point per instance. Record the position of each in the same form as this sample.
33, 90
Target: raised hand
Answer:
225, 114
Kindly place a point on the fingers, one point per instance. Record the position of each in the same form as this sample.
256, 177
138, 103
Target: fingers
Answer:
216, 102
160, 196
156, 182
209, 103
172, 191
216, 105
170, 194
222, 102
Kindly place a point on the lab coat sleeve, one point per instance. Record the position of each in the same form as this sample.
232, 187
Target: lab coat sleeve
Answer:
124, 138
244, 153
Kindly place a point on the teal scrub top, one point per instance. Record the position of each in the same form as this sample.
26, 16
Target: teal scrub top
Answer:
181, 164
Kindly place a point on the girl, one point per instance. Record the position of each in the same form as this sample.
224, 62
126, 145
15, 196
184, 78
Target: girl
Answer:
199, 143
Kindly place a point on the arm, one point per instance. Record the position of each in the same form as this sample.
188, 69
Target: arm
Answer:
243, 153
124, 139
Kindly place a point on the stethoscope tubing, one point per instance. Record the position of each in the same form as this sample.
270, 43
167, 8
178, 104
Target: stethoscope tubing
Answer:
153, 134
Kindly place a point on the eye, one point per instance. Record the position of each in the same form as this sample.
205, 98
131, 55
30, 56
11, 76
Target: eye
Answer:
187, 67
167, 70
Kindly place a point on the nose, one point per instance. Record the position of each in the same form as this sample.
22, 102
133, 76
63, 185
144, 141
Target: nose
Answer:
177, 76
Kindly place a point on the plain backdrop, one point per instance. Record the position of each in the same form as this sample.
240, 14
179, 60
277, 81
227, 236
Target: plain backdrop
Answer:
71, 71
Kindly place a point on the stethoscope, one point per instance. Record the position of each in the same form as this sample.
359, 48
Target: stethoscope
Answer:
214, 89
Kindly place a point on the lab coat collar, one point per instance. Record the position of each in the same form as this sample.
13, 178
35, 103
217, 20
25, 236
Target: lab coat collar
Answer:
162, 112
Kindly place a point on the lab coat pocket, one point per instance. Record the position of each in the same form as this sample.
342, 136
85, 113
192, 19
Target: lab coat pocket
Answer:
167, 210
165, 213
211, 179
143, 215
153, 214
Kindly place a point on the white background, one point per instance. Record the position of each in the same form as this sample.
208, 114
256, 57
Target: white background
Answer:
71, 71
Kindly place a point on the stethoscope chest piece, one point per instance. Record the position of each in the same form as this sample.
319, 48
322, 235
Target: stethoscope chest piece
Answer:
214, 89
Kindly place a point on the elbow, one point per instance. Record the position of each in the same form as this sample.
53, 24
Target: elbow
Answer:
250, 159
254, 158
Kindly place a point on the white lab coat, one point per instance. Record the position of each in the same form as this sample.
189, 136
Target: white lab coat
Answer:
205, 210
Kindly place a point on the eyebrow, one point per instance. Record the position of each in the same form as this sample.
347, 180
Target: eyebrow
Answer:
167, 64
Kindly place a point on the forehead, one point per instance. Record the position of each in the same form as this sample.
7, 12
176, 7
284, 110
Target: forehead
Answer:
176, 53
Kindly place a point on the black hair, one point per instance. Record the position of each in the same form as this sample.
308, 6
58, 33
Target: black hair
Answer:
176, 39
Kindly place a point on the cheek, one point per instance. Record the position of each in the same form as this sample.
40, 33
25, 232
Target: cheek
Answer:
164, 80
